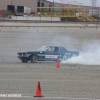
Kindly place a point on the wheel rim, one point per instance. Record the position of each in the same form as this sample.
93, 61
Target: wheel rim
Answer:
34, 59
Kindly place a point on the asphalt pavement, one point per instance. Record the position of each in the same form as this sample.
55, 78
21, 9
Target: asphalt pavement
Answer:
69, 82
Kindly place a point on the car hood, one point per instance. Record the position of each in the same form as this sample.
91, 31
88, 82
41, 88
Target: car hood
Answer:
29, 52
32, 52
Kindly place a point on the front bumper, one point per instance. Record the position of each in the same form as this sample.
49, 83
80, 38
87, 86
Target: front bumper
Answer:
23, 58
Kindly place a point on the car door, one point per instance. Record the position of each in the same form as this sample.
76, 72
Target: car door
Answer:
45, 55
41, 55
51, 54
42, 52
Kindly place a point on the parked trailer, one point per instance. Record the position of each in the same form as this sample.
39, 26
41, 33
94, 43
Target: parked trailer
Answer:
23, 10
19, 10
12, 8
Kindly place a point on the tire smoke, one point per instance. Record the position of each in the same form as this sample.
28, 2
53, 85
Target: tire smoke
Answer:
89, 56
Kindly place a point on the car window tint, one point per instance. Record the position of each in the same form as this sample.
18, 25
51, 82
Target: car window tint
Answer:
43, 48
53, 49
56, 49
49, 49
63, 49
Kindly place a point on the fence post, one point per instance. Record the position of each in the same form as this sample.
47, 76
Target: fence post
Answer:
75, 16
3, 15
97, 17
27, 15
16, 18
86, 18
40, 18
51, 17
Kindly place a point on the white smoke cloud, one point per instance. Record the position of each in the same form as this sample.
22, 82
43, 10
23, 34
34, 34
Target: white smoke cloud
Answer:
89, 56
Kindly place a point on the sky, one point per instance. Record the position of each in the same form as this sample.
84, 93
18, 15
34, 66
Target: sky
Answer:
84, 2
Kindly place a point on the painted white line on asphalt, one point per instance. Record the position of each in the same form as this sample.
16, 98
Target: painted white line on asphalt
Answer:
47, 80
72, 98
54, 98
77, 67
42, 80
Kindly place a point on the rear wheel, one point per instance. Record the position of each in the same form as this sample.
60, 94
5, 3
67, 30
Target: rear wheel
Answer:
34, 59
65, 57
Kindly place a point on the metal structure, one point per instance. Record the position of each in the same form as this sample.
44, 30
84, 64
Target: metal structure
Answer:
85, 17
66, 11
63, 2
93, 2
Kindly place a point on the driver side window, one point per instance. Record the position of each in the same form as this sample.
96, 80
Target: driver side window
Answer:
56, 49
49, 49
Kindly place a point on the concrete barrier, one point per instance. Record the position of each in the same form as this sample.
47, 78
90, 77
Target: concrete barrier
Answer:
35, 18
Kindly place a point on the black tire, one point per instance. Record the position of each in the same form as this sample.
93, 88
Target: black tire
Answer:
24, 61
34, 59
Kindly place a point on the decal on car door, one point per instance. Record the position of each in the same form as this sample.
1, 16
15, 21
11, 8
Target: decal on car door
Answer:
51, 56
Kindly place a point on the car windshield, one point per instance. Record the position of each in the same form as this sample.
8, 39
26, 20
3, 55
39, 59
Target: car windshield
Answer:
43, 48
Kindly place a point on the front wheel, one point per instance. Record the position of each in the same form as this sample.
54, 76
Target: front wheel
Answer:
34, 59
24, 61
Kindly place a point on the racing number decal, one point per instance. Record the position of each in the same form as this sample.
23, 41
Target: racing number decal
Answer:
51, 56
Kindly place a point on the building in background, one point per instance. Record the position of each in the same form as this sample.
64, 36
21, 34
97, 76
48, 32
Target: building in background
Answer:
20, 7
27, 3
30, 3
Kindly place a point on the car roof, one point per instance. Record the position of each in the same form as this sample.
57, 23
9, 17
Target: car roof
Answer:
54, 46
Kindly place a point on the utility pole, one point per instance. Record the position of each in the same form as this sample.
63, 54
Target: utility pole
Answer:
53, 5
11, 2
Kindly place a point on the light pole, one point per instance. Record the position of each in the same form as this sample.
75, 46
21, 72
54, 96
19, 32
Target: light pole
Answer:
53, 5
11, 2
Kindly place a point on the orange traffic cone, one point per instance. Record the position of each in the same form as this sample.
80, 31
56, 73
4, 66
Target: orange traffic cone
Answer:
58, 64
38, 90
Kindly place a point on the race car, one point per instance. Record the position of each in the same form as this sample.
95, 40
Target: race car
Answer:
47, 53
